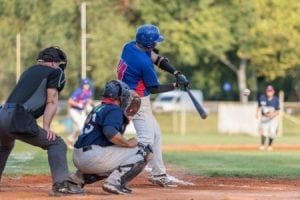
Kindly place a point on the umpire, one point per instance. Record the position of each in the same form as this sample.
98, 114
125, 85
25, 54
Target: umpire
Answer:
35, 95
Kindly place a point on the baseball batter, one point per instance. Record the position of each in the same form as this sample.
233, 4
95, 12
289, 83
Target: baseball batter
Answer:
268, 107
136, 69
101, 150
79, 103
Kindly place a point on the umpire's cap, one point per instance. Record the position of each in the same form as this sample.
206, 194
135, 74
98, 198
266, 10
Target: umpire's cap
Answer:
52, 54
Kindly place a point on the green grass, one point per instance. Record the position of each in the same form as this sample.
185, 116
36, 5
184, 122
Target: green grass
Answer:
238, 164
26, 159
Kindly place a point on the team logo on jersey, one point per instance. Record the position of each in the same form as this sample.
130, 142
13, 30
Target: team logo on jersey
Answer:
122, 66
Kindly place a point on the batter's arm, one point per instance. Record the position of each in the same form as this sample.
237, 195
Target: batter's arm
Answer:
50, 110
162, 88
119, 140
163, 63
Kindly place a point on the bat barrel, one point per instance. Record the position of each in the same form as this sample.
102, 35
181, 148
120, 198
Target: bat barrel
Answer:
197, 105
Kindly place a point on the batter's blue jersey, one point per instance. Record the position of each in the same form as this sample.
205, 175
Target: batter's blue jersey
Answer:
136, 69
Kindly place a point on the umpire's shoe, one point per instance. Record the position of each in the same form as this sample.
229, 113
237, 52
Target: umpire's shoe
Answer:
65, 188
163, 180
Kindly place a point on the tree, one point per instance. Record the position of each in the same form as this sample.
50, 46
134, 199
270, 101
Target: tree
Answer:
240, 34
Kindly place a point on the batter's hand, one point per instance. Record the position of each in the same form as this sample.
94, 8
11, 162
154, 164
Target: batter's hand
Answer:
51, 135
182, 81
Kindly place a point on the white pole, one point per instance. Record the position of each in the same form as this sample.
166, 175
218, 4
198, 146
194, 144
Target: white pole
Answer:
83, 40
281, 112
18, 56
183, 115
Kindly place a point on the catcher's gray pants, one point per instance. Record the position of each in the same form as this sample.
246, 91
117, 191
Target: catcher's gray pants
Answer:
95, 159
34, 135
148, 132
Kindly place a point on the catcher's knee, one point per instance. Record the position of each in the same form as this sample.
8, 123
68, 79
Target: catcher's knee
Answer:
145, 151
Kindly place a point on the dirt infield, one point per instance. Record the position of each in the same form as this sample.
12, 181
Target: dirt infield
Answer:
204, 188
37, 187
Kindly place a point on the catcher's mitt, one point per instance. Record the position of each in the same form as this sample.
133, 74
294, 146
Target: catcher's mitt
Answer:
133, 105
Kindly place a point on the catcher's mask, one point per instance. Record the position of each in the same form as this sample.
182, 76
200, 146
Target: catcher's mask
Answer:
129, 101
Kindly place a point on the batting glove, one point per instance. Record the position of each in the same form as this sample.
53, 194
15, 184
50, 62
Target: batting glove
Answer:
182, 82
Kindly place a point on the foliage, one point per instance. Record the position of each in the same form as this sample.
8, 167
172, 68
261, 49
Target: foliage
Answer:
207, 40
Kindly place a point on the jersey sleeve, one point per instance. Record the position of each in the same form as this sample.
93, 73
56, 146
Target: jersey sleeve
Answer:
149, 75
113, 122
56, 79
75, 93
260, 99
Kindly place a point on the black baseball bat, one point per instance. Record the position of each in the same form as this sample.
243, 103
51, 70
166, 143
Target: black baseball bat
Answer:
197, 105
165, 65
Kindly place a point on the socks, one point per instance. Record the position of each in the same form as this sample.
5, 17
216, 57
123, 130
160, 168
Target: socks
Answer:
263, 139
270, 141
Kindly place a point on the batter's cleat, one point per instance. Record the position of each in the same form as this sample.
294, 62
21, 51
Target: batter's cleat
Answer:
270, 148
115, 189
262, 148
65, 188
162, 180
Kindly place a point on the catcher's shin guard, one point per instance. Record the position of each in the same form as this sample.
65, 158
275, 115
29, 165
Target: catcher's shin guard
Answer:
134, 170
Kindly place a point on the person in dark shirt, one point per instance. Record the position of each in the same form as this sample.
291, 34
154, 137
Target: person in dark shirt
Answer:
268, 109
102, 151
35, 95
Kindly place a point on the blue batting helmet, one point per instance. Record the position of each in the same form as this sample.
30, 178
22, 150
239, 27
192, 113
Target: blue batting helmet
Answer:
148, 35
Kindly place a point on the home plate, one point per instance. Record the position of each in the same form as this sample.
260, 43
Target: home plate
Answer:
181, 182
172, 178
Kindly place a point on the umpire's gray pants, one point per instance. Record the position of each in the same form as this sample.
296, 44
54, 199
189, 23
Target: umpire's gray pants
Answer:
148, 132
56, 149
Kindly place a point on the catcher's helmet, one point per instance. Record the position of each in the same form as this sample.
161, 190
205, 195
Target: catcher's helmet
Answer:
53, 54
116, 89
148, 35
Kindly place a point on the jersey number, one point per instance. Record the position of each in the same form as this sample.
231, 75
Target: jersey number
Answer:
122, 66
89, 127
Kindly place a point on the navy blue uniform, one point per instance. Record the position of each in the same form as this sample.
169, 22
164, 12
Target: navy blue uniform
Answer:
268, 105
104, 122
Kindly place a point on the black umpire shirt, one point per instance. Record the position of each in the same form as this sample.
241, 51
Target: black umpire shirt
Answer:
31, 89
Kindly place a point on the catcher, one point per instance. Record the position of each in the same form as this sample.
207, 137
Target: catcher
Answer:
102, 151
